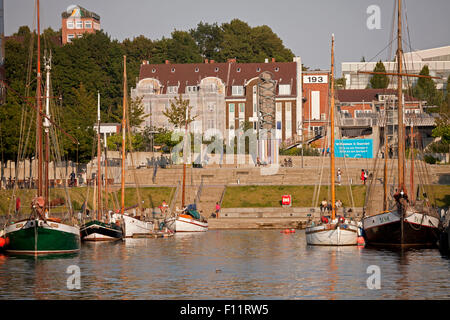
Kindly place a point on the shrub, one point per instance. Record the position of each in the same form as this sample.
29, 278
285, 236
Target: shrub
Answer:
430, 159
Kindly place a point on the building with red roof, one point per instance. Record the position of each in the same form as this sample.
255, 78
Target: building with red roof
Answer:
223, 95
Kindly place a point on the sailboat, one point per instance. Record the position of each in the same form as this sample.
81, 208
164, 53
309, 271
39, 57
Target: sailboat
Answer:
39, 234
101, 229
133, 225
408, 222
337, 231
189, 219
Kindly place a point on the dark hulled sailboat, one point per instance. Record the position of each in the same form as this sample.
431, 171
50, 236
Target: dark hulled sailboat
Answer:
408, 222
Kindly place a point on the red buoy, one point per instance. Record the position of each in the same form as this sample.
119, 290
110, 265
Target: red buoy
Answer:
2, 242
292, 230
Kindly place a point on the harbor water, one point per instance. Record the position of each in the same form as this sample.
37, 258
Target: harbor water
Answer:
227, 264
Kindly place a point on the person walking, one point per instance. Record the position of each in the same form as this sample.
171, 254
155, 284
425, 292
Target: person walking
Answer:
363, 176
339, 174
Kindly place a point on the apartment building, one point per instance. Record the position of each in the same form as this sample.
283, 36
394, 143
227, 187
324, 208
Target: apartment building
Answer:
77, 21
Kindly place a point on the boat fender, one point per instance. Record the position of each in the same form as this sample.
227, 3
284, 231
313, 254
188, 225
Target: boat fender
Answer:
324, 219
292, 230
2, 242
360, 241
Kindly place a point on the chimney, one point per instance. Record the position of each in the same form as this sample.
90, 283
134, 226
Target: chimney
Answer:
266, 60
212, 61
231, 60
273, 59
206, 60
167, 61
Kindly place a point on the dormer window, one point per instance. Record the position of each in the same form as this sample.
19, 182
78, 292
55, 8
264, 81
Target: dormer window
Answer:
238, 69
277, 69
196, 69
191, 89
216, 69
153, 70
237, 90
172, 89
258, 69
284, 89
173, 70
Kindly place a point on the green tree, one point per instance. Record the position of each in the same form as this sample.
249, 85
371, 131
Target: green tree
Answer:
425, 89
208, 38
176, 113
379, 81
182, 48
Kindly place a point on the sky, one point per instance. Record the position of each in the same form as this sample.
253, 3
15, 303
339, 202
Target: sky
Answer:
305, 27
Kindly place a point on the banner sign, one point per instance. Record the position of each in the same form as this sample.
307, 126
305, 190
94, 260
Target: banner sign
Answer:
353, 148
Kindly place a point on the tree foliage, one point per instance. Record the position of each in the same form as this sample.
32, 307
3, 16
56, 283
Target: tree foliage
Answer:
425, 89
94, 63
179, 112
379, 81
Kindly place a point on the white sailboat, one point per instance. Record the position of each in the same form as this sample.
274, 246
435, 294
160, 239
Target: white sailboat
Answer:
189, 219
337, 231
133, 225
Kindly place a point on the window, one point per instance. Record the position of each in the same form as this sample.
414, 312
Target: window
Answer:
70, 24
316, 130
153, 70
288, 107
276, 69
191, 89
80, 35
88, 24
238, 69
216, 69
237, 90
70, 37
231, 107
278, 106
284, 89
172, 89
79, 24
242, 107
173, 70
211, 107
258, 69
196, 69
278, 125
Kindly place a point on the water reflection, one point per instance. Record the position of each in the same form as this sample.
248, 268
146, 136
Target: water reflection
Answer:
237, 264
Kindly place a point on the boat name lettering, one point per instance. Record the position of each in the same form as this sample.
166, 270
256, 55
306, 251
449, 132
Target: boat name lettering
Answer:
384, 219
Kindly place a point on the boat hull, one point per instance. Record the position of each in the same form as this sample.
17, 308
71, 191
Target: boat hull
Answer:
133, 226
181, 224
99, 231
384, 229
332, 235
40, 237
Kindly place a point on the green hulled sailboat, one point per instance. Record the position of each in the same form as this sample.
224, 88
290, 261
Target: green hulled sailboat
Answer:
39, 234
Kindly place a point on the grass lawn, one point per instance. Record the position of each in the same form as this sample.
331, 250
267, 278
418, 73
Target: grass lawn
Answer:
442, 195
152, 197
302, 196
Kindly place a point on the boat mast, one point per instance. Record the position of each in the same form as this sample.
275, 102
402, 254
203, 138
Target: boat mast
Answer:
333, 195
386, 154
106, 175
184, 159
412, 161
99, 163
401, 142
39, 105
47, 133
124, 121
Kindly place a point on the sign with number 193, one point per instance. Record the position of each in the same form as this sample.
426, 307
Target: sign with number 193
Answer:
315, 79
